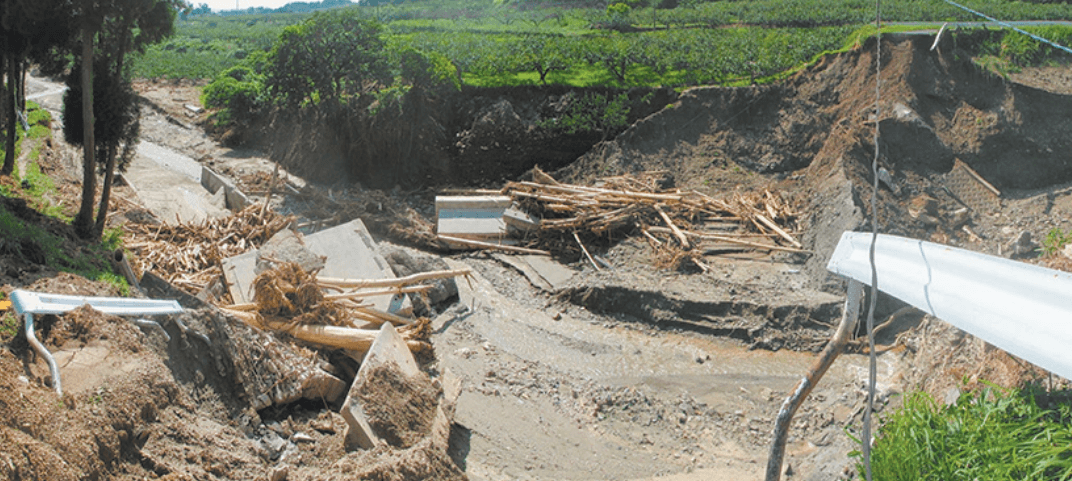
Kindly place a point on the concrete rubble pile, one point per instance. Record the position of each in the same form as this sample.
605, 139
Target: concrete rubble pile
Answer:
288, 316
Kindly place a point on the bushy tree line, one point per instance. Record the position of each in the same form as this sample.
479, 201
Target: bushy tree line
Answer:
672, 57
326, 61
100, 113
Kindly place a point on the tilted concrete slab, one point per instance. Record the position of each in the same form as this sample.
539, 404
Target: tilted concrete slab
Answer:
556, 274
388, 348
350, 253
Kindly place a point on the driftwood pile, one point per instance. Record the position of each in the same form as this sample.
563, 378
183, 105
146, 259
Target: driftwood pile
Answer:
290, 300
189, 255
681, 224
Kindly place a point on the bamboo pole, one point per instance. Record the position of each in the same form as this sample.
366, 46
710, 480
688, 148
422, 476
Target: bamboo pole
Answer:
488, 245
785, 235
383, 292
733, 240
673, 228
585, 250
397, 282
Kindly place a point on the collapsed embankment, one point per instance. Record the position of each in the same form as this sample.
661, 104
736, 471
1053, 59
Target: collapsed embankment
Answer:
468, 137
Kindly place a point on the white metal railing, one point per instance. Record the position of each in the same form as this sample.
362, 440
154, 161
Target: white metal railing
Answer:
28, 303
1021, 308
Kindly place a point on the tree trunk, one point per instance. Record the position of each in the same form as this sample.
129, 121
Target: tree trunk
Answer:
21, 92
83, 223
12, 118
106, 191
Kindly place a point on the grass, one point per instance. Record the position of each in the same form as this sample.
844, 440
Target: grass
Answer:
1054, 242
33, 241
991, 434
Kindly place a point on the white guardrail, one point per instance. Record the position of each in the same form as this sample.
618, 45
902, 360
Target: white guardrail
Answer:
28, 303
1023, 309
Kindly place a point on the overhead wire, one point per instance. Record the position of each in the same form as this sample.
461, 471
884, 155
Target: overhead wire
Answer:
1011, 26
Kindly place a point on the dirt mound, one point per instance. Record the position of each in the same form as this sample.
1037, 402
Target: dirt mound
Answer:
813, 136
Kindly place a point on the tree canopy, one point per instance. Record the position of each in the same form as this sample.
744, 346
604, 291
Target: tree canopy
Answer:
327, 57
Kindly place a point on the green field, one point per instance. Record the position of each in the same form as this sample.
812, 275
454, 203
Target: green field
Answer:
504, 44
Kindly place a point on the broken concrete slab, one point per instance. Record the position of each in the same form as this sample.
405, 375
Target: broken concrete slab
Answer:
521, 221
556, 274
349, 252
287, 246
543, 273
213, 182
388, 348
525, 269
472, 217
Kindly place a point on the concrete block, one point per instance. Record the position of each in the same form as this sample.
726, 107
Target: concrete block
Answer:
388, 348
349, 253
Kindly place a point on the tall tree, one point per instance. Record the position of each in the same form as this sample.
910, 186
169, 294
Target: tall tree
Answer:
125, 26
328, 56
116, 28
28, 29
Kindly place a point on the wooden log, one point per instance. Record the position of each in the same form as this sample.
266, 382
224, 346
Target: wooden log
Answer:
673, 228
585, 250
488, 245
397, 282
385, 316
331, 336
382, 292
733, 240
785, 235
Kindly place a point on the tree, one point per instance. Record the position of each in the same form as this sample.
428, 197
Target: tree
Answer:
327, 57
121, 27
543, 54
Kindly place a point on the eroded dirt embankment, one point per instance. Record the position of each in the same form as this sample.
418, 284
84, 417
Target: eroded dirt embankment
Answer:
470, 137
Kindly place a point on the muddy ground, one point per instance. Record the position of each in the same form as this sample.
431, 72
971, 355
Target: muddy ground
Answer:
626, 373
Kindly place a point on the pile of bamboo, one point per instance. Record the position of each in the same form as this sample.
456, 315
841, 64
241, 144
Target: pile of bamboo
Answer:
189, 255
626, 205
292, 301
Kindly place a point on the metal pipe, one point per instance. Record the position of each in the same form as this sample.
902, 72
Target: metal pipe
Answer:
789, 408
148, 324
124, 266
40, 348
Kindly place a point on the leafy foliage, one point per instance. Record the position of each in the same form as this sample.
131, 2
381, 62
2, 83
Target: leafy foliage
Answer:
992, 434
327, 57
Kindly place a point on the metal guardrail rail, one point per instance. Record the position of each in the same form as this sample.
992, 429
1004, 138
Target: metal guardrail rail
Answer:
28, 303
1021, 308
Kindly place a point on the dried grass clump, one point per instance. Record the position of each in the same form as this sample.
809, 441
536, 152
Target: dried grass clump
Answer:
290, 293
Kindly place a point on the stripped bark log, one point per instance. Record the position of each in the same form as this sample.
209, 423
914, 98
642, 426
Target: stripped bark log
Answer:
849, 317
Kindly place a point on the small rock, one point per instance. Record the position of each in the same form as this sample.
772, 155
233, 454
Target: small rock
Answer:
279, 474
24, 379
1022, 245
302, 438
465, 352
1067, 252
951, 396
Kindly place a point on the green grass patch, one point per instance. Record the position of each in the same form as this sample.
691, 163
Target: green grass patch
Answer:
32, 241
991, 434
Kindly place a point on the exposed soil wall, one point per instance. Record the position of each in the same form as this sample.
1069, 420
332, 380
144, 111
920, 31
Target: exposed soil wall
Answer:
472, 137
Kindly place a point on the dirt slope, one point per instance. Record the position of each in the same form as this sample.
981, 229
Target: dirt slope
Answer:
813, 136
